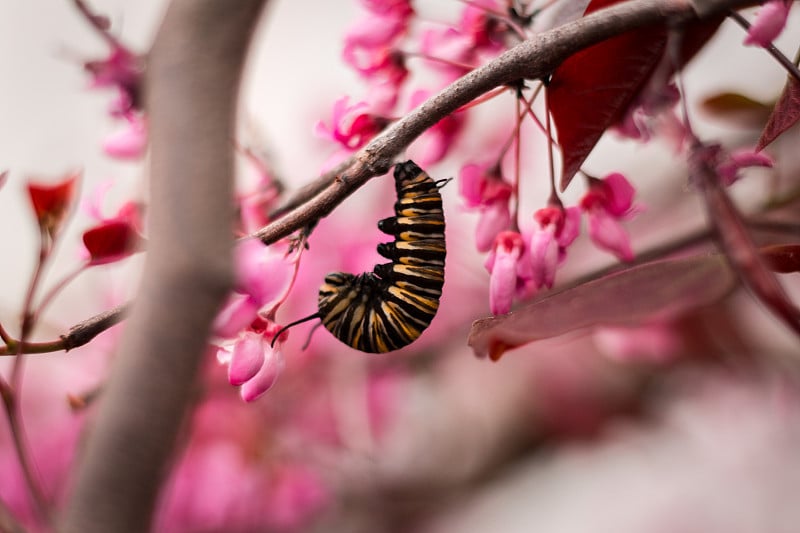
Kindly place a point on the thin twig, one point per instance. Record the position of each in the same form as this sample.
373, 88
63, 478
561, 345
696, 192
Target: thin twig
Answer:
785, 62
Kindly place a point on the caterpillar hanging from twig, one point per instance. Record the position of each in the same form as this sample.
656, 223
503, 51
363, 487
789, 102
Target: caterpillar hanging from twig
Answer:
391, 306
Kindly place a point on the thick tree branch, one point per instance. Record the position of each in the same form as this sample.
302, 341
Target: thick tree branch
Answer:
191, 91
531, 59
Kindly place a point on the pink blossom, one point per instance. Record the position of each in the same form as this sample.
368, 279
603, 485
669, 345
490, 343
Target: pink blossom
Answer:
123, 70
483, 29
267, 375
769, 23
253, 363
503, 264
495, 217
398, 8
262, 276
728, 169
129, 142
607, 202
450, 50
350, 125
556, 229
482, 187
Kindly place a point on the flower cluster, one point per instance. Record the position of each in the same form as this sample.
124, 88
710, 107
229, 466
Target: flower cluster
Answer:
523, 262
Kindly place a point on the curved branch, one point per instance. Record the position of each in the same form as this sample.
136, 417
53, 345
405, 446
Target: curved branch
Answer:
531, 59
191, 92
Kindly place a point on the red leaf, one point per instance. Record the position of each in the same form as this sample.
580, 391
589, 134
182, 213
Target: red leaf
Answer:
110, 241
591, 89
783, 258
785, 114
50, 202
633, 296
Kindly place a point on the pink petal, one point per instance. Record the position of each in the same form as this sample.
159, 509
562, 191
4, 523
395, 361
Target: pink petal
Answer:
769, 23
503, 280
127, 143
495, 218
471, 182
237, 314
571, 228
620, 194
247, 357
266, 376
544, 256
262, 272
608, 233
728, 170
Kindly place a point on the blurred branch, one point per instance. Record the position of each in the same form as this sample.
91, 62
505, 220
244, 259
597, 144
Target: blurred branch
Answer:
192, 83
532, 59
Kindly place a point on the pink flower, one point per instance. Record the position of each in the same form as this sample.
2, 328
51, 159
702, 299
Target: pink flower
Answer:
557, 229
129, 142
769, 23
253, 364
728, 169
122, 70
607, 202
350, 126
504, 265
457, 50
397, 8
482, 187
262, 276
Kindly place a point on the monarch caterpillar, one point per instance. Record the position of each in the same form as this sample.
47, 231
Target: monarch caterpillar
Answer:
391, 306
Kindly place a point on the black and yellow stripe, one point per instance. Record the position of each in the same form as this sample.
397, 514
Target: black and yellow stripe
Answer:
391, 306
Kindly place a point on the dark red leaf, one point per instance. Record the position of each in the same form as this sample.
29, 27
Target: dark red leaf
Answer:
783, 258
110, 241
659, 290
50, 202
591, 89
785, 114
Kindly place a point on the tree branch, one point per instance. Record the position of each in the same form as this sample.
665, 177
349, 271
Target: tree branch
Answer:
191, 91
531, 59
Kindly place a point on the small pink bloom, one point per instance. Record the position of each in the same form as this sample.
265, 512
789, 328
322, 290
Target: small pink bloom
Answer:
262, 272
606, 232
267, 375
398, 8
495, 217
246, 358
483, 29
502, 263
728, 169
253, 363
607, 202
129, 142
769, 23
556, 229
123, 70
238, 313
351, 126
450, 50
